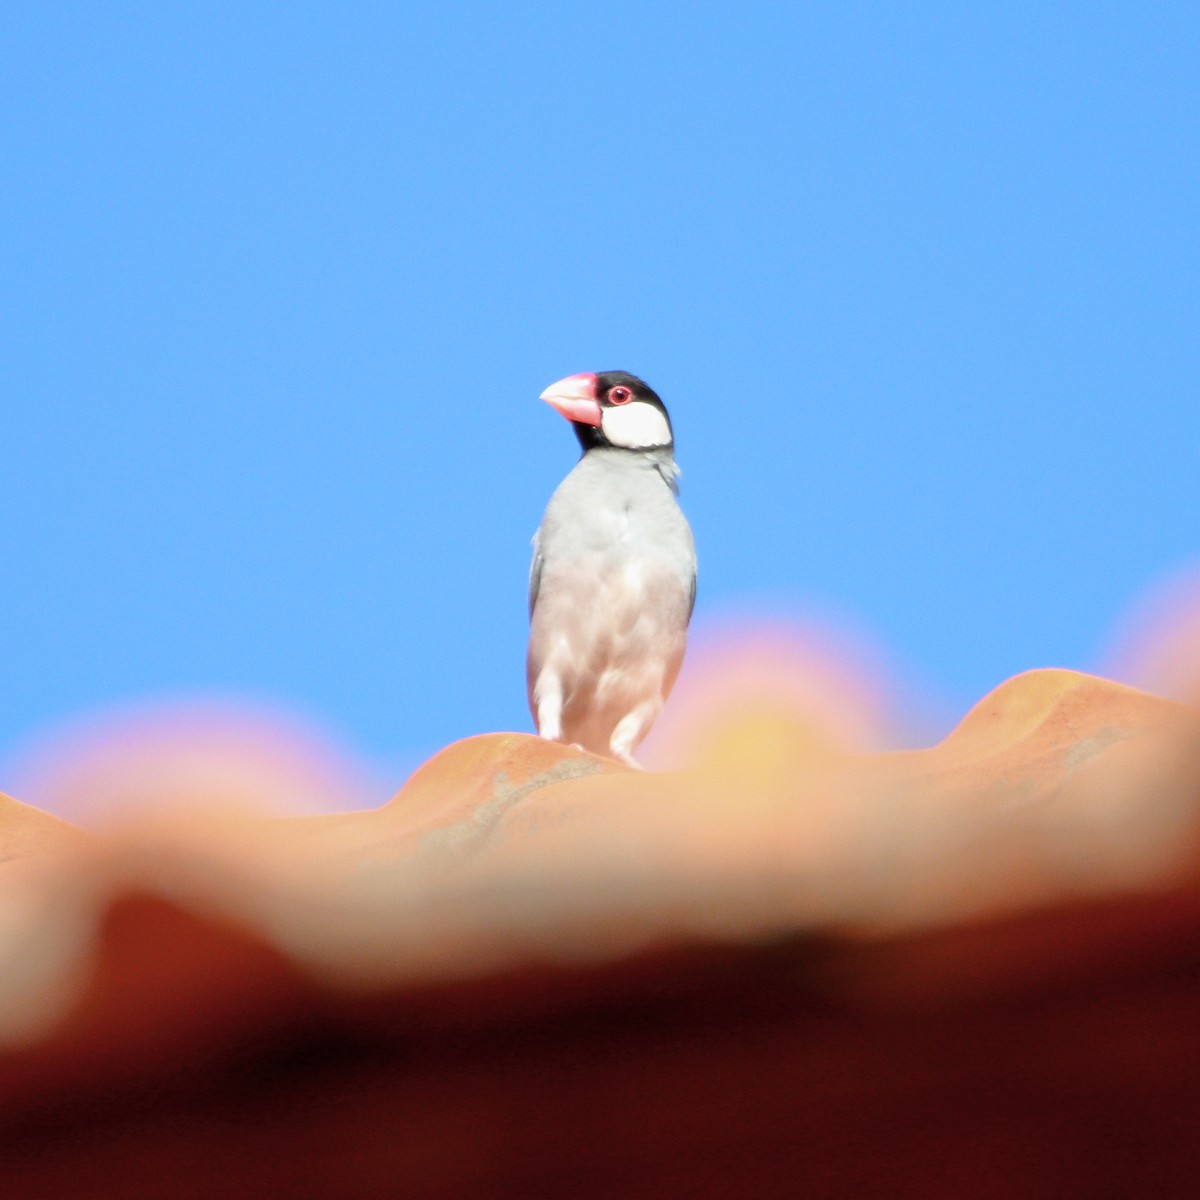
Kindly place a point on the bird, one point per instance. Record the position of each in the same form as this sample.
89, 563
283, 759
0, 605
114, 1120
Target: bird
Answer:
612, 584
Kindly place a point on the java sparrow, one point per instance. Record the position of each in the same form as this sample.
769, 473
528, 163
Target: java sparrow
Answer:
613, 579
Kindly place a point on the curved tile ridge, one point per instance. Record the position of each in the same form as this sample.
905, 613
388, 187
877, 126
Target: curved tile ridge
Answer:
505, 850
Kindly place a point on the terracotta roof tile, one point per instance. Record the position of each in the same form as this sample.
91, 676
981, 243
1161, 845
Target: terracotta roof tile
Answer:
966, 970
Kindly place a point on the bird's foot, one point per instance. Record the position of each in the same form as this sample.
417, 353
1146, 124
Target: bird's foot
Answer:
557, 737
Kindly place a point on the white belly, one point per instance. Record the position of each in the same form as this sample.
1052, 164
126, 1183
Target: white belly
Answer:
611, 635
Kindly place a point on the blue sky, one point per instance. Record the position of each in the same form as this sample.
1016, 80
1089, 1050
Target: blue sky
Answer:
281, 285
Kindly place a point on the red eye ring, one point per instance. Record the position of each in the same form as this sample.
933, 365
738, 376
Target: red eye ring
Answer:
619, 395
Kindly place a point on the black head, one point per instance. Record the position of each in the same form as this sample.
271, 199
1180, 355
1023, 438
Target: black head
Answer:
612, 409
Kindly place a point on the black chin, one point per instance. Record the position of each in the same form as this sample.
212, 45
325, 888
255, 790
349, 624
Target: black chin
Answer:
590, 436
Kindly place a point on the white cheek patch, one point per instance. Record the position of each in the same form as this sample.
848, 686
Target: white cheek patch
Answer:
636, 426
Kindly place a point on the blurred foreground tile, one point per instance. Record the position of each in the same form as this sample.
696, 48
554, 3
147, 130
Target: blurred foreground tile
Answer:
971, 970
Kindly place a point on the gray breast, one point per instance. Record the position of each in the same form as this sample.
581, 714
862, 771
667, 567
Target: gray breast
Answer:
618, 505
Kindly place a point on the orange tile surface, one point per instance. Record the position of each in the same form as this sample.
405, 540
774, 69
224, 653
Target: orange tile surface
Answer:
970, 970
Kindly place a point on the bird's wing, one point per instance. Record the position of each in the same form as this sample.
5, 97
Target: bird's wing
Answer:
535, 574
691, 598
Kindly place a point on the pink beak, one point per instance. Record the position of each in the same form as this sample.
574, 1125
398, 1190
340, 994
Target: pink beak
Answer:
575, 398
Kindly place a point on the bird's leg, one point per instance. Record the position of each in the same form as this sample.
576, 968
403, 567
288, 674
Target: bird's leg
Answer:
549, 700
630, 730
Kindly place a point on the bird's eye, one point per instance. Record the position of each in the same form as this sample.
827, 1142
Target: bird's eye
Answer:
620, 395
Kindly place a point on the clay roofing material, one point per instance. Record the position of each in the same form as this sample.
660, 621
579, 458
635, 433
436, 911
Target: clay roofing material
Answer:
968, 970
